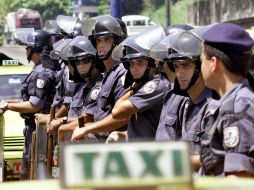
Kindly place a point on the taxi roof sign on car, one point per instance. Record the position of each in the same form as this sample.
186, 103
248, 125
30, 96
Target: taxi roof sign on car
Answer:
10, 62
126, 164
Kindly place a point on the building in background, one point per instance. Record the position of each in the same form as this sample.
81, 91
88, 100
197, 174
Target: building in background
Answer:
210, 11
85, 8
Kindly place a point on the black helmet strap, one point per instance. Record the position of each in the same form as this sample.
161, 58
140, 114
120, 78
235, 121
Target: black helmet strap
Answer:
145, 76
29, 57
76, 76
193, 80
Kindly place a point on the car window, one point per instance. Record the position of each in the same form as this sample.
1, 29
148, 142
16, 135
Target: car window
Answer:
139, 23
11, 85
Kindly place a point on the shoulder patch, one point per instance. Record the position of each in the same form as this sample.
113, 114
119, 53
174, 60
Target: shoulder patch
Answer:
95, 94
231, 136
123, 80
150, 87
40, 83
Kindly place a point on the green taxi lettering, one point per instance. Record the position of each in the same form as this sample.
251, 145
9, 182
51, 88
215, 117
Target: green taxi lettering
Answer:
177, 160
115, 165
9, 62
88, 159
150, 159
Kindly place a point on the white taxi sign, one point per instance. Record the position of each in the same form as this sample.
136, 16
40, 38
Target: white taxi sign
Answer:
125, 164
10, 63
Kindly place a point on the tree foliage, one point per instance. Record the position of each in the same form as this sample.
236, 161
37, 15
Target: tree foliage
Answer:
103, 7
49, 9
178, 12
127, 7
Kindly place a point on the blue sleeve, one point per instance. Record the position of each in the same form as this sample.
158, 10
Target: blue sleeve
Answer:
91, 102
119, 90
238, 142
42, 88
147, 97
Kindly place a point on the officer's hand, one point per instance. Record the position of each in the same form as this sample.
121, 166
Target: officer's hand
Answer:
53, 125
115, 136
61, 130
41, 118
78, 134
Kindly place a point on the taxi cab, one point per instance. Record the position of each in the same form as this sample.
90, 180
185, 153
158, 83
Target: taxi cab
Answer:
12, 75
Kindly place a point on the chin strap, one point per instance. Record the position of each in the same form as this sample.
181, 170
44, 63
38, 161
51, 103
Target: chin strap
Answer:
195, 76
29, 57
145, 76
179, 91
76, 76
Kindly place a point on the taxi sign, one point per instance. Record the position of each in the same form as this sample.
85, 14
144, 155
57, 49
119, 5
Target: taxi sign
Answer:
125, 164
10, 62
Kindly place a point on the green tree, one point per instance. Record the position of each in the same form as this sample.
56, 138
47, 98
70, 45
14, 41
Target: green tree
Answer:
103, 7
178, 12
49, 9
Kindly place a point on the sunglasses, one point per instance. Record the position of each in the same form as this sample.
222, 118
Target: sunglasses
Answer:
82, 60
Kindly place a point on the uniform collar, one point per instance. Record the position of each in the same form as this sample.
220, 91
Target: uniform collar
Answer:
91, 83
36, 65
205, 94
238, 85
115, 65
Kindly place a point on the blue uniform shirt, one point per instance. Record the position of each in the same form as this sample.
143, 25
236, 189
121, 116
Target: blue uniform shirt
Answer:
228, 142
169, 128
149, 101
111, 90
39, 87
85, 98
193, 115
64, 88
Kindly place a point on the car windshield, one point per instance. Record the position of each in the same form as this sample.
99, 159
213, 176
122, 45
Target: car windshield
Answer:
11, 85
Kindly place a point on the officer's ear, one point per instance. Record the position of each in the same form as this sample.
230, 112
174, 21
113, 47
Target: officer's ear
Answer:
215, 64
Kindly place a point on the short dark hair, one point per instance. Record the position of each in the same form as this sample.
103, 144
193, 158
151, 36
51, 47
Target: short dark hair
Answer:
235, 63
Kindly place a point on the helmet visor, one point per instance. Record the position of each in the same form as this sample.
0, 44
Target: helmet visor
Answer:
107, 21
25, 35
66, 23
78, 47
189, 42
57, 48
141, 43
162, 49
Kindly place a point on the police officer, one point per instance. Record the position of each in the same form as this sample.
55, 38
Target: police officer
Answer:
85, 96
170, 118
143, 102
64, 87
37, 91
227, 146
185, 58
169, 30
105, 32
64, 28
